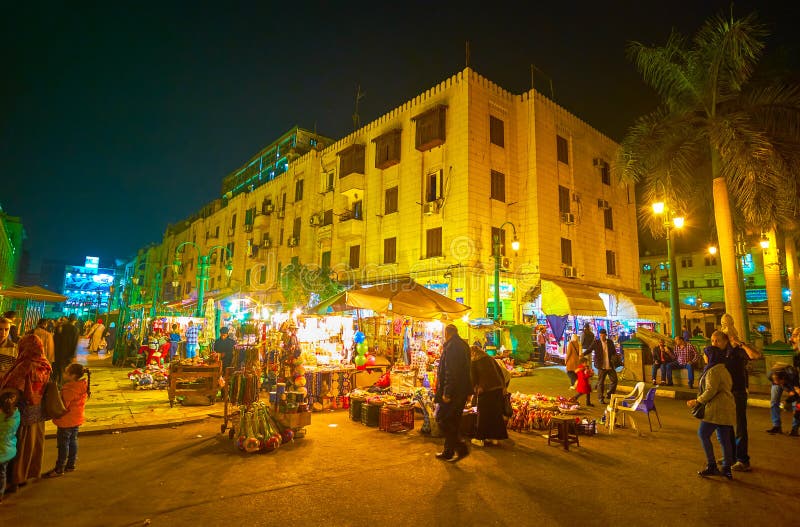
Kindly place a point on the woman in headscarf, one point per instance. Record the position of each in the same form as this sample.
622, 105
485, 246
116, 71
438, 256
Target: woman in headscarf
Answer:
572, 359
28, 375
720, 411
489, 386
96, 336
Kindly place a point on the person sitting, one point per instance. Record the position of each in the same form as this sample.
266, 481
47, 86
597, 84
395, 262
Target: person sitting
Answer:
685, 356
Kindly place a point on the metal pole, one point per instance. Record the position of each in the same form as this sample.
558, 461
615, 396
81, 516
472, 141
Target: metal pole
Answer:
202, 277
155, 294
496, 251
674, 304
743, 295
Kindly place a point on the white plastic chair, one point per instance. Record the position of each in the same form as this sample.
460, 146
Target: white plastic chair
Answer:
631, 399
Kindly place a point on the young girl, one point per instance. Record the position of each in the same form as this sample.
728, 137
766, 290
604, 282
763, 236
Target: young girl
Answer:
584, 373
75, 392
9, 422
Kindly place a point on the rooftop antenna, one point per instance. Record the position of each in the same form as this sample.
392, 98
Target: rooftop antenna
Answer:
467, 53
356, 120
535, 69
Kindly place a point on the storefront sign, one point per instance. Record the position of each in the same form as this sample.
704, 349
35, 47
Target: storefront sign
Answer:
506, 290
755, 295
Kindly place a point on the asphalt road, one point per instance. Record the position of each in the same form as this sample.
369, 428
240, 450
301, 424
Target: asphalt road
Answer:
346, 474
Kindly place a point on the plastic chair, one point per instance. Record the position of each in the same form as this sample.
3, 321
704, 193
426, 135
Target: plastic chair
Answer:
615, 405
646, 405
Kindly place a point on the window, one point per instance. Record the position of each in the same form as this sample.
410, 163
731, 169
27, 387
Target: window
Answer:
685, 284
390, 250
327, 181
211, 283
566, 251
496, 131
233, 221
498, 190
296, 228
280, 236
390, 201
611, 263
716, 282
247, 277
605, 173
710, 261
686, 261
387, 149
249, 216
355, 253
262, 278
499, 235
430, 128
230, 247
562, 149
433, 186
298, 190
325, 261
647, 287
563, 200
608, 219
351, 160
216, 232
751, 280
709, 283
434, 242
691, 283
327, 217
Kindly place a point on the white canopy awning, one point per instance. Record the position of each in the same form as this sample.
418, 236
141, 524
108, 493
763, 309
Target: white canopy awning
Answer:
632, 305
563, 297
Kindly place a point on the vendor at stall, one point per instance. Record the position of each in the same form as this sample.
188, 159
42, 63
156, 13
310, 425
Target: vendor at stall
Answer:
224, 346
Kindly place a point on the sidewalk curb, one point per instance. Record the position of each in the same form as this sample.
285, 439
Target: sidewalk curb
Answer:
111, 429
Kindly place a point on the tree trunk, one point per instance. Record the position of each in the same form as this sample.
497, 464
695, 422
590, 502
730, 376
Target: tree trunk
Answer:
727, 252
791, 272
772, 279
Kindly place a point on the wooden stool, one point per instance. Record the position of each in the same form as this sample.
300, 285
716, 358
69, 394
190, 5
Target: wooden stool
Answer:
566, 431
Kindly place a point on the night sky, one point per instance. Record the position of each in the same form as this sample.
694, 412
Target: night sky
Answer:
117, 119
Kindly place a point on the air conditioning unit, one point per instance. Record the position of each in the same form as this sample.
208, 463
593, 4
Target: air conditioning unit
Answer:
248, 227
602, 204
266, 243
292, 241
431, 207
268, 208
281, 213
570, 272
568, 218
315, 220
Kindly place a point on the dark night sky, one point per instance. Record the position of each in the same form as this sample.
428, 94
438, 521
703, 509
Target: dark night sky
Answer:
119, 118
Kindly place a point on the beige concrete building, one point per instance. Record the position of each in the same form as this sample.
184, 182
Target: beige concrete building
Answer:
421, 192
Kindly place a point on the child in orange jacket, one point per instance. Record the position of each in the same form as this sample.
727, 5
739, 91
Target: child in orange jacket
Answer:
74, 393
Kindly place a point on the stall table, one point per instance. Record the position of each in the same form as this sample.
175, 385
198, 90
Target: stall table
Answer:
194, 379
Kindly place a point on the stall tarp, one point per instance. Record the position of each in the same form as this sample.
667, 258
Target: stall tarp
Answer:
33, 292
333, 304
560, 297
406, 298
637, 306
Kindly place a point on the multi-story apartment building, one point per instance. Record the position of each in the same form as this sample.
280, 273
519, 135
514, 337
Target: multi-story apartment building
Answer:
700, 287
433, 190
11, 237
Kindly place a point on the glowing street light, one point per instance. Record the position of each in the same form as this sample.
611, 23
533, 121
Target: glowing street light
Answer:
671, 222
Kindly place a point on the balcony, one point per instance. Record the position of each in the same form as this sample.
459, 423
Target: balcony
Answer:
351, 185
350, 229
325, 233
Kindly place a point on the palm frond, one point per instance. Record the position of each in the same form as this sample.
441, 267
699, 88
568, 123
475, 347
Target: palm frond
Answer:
664, 69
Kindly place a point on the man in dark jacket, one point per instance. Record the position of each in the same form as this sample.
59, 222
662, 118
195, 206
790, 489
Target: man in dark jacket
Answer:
453, 388
605, 360
66, 341
224, 346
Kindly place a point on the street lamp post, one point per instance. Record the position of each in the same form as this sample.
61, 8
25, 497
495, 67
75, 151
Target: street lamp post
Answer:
496, 252
157, 290
202, 270
671, 222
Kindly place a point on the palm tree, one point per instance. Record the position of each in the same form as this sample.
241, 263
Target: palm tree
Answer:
719, 124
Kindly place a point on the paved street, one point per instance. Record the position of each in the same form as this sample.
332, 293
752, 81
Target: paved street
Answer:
343, 473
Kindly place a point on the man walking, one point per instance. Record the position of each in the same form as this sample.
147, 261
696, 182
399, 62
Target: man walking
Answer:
605, 360
453, 388
685, 356
65, 342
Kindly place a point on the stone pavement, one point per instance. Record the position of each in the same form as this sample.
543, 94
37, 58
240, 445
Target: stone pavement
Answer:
115, 405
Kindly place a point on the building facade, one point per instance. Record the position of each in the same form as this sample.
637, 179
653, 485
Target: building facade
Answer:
434, 190
11, 236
